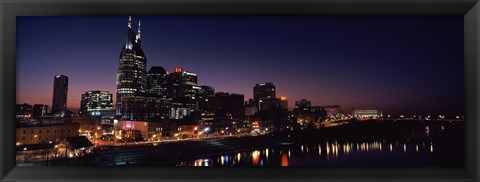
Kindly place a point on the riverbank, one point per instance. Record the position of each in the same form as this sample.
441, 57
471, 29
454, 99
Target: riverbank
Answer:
172, 153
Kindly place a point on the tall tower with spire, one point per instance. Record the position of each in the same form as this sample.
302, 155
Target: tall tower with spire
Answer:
132, 70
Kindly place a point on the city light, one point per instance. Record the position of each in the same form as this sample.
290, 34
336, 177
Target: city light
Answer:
150, 117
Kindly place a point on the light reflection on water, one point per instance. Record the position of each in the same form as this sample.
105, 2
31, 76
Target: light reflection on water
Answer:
323, 152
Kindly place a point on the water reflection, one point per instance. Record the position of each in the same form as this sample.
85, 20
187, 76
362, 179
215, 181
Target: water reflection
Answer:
327, 152
255, 157
284, 160
419, 147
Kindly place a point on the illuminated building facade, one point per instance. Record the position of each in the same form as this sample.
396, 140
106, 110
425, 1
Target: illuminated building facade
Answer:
131, 73
45, 133
60, 91
97, 103
309, 115
157, 82
190, 88
184, 91
145, 108
183, 84
366, 113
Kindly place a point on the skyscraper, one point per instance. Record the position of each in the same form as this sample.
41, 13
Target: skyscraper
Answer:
60, 90
263, 92
131, 73
157, 81
189, 82
176, 83
96, 103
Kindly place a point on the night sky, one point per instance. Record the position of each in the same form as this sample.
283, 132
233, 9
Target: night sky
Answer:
402, 65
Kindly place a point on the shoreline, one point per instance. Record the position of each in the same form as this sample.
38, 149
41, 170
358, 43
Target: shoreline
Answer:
172, 153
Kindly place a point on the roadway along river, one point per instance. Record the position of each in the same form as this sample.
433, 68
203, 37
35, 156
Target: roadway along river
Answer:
359, 143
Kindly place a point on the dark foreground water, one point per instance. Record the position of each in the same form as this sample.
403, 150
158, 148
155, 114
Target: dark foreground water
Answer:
404, 144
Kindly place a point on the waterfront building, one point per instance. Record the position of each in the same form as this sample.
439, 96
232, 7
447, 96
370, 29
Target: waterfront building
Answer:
366, 113
46, 132
39, 110
131, 72
88, 126
144, 108
154, 131
312, 115
157, 81
60, 91
97, 103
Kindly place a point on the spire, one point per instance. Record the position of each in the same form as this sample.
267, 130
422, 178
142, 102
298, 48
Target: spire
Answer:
130, 22
138, 34
130, 35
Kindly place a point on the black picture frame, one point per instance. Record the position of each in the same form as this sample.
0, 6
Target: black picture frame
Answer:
10, 9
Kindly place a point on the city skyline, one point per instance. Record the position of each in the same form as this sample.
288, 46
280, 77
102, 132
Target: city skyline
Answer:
281, 50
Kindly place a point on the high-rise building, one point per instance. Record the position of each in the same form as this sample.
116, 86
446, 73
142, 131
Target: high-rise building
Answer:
202, 96
189, 82
207, 90
97, 103
60, 90
283, 103
157, 81
131, 73
183, 84
262, 93
184, 90
145, 108
39, 110
176, 83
